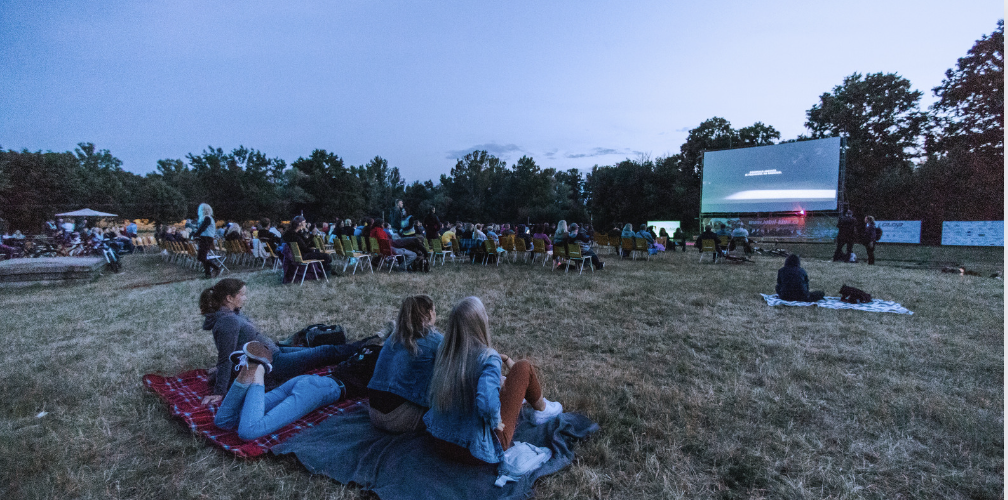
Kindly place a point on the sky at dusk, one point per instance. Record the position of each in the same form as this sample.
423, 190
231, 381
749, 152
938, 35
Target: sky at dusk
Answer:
571, 84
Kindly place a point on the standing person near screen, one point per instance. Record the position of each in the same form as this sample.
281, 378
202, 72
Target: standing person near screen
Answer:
846, 235
869, 237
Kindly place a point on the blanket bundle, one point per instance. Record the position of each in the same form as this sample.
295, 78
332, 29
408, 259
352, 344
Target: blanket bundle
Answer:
835, 303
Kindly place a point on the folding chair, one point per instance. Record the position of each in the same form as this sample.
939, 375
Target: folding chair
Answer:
574, 255
559, 255
708, 246
387, 255
302, 263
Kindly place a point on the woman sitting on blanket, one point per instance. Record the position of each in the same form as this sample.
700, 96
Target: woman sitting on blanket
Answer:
398, 389
793, 282
474, 409
221, 307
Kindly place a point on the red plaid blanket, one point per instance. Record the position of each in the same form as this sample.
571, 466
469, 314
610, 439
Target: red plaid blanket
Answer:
184, 391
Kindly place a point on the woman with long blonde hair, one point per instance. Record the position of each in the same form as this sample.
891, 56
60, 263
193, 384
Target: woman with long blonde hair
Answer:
474, 409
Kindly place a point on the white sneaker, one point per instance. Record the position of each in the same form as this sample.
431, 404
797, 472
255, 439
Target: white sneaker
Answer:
552, 410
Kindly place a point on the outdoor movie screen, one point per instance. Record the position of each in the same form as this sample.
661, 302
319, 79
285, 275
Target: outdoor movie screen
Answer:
783, 178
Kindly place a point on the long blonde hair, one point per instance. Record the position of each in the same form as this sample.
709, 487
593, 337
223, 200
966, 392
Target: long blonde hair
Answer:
456, 369
561, 228
204, 210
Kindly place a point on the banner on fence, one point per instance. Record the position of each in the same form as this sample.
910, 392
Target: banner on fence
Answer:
900, 231
795, 228
973, 233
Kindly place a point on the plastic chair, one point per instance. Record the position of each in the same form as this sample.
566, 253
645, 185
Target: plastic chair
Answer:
302, 263
437, 250
387, 255
641, 247
559, 254
627, 245
575, 255
350, 248
708, 246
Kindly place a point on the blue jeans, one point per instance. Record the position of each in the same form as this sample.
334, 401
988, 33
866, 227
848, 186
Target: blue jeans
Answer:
293, 361
255, 413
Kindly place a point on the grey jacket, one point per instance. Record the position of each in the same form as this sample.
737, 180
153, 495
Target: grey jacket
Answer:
231, 330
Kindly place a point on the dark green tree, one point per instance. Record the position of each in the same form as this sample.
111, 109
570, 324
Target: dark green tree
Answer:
967, 134
471, 186
880, 116
332, 191
381, 186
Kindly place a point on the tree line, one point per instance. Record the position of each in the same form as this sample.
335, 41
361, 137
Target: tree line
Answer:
902, 162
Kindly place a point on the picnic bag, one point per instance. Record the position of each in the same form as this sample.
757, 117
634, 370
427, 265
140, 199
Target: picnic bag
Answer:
356, 371
316, 335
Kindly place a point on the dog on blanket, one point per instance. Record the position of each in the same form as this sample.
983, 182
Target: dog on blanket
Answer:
853, 295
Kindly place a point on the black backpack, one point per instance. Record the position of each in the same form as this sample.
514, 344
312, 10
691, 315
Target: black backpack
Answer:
356, 371
316, 335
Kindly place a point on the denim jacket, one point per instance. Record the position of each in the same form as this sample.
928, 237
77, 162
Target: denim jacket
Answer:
474, 429
403, 374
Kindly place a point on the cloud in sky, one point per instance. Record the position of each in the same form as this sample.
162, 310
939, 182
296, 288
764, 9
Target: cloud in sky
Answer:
598, 152
684, 129
493, 148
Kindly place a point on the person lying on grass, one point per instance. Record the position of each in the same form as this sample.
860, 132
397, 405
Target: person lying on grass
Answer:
793, 282
474, 408
221, 308
398, 389
253, 412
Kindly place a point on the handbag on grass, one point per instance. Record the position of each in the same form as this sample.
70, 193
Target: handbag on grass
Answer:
316, 335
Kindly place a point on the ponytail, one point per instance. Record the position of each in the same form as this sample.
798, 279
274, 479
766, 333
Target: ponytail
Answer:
213, 298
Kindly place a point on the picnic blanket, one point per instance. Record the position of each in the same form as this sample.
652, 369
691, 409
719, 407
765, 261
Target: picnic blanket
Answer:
183, 392
835, 303
349, 449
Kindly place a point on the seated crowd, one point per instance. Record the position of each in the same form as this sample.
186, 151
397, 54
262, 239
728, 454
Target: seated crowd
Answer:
410, 238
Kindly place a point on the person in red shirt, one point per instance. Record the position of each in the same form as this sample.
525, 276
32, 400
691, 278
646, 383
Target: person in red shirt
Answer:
379, 232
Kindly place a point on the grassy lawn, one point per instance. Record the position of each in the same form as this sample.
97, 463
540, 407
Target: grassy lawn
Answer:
701, 390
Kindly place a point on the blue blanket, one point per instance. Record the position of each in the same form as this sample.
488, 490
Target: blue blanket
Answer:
349, 449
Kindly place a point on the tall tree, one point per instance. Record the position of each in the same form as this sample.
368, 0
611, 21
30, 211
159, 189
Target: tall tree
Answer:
880, 116
967, 132
470, 185
381, 186
332, 190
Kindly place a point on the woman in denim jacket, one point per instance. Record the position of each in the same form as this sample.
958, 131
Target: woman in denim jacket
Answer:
398, 389
474, 409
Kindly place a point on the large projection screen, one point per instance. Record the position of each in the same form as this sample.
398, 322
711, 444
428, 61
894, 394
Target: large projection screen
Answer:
792, 177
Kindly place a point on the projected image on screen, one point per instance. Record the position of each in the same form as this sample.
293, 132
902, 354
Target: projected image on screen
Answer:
783, 178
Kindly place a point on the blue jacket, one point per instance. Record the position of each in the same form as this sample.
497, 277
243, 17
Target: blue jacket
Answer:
474, 429
403, 374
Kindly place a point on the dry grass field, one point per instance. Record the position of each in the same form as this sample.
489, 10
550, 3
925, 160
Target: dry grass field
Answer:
700, 389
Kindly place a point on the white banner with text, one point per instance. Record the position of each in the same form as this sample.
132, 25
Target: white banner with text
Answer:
988, 233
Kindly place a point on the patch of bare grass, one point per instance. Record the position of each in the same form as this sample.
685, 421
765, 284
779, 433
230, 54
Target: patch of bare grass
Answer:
701, 390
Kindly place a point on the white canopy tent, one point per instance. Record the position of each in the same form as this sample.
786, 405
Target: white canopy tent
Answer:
86, 212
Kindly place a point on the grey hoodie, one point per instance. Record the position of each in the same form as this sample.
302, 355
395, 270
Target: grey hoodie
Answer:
231, 330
